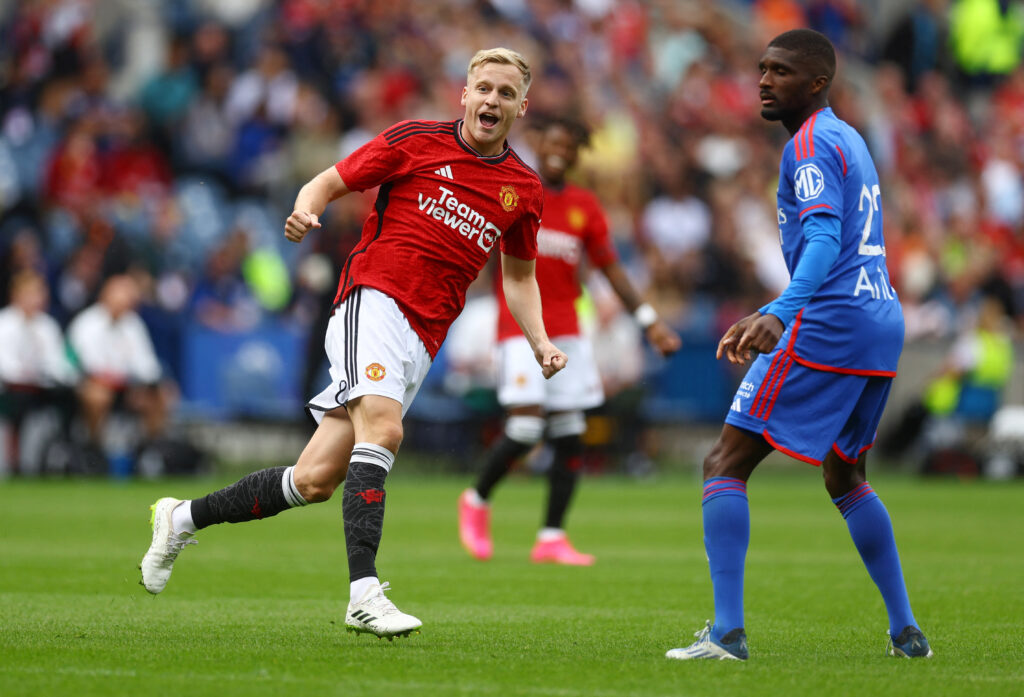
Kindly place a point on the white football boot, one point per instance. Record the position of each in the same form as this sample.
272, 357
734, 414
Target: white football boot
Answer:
733, 647
375, 614
164, 549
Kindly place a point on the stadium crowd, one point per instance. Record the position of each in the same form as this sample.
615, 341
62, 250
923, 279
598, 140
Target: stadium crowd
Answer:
166, 142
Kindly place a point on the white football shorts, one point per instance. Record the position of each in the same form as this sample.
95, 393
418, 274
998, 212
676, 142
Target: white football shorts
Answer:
521, 382
372, 350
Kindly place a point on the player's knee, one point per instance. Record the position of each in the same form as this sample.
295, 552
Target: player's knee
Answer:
314, 484
317, 493
714, 461
840, 479
387, 434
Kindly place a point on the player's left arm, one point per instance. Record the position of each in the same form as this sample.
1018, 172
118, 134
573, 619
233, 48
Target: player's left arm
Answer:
817, 181
519, 284
661, 336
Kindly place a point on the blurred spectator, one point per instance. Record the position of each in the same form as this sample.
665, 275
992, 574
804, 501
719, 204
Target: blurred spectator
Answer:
119, 365
35, 374
772, 17
917, 43
134, 169
222, 300
986, 37
22, 254
167, 95
977, 369
967, 389
206, 136
676, 225
269, 87
843, 21
75, 172
126, 141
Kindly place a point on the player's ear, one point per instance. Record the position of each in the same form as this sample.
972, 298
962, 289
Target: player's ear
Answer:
465, 93
821, 84
522, 108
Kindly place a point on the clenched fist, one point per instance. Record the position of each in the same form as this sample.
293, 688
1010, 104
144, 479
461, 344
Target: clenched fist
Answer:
298, 224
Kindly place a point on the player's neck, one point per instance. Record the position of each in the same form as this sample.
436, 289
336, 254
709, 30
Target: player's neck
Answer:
794, 123
549, 183
496, 148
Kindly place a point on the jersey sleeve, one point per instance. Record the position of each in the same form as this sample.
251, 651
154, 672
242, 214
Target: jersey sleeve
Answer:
600, 250
375, 163
817, 173
520, 240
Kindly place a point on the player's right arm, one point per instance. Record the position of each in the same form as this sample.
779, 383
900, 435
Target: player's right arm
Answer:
312, 200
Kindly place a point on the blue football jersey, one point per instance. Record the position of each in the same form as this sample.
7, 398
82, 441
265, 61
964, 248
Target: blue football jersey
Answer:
854, 322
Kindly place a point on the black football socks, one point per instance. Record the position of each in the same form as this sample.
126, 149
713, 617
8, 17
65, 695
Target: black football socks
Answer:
257, 495
499, 461
363, 507
565, 472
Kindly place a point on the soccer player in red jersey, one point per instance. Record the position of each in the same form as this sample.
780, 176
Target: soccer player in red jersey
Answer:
450, 193
574, 225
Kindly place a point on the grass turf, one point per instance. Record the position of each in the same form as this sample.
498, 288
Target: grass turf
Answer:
258, 609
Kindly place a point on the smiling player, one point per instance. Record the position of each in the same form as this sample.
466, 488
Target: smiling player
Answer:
450, 193
574, 232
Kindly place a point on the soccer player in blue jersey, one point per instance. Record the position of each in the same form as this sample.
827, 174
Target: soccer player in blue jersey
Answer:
827, 350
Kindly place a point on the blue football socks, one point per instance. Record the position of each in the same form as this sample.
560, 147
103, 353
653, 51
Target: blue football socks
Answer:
726, 537
871, 530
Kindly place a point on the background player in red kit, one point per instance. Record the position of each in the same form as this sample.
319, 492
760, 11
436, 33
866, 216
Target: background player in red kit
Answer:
573, 224
450, 193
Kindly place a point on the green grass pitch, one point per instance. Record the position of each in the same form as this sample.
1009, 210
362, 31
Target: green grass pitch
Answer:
258, 609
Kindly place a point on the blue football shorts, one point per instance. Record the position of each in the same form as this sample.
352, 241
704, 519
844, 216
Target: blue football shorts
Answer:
805, 412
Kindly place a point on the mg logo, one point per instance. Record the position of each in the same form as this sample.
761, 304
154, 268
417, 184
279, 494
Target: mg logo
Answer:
808, 182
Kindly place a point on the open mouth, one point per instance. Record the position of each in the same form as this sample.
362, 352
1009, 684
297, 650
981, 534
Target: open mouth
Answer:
488, 120
556, 162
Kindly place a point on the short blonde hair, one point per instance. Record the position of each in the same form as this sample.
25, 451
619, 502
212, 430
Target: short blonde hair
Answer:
504, 56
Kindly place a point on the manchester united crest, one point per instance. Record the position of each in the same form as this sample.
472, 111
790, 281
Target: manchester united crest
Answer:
375, 372
577, 218
508, 198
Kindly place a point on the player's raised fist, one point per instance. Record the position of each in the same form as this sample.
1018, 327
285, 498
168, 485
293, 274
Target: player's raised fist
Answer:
298, 224
553, 361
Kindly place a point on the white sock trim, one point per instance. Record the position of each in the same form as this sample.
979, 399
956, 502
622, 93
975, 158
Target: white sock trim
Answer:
474, 497
291, 492
569, 423
373, 454
358, 588
181, 518
525, 429
550, 534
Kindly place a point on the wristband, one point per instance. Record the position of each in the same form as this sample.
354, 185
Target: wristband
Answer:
645, 315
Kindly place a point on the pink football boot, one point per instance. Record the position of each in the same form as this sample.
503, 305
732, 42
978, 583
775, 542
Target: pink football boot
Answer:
475, 526
559, 551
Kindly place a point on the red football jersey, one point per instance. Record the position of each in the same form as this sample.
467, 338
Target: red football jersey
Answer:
440, 210
573, 222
